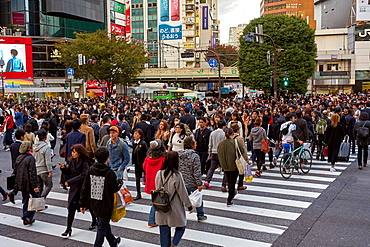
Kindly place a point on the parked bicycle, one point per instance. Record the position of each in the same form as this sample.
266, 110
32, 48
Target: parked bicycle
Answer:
299, 159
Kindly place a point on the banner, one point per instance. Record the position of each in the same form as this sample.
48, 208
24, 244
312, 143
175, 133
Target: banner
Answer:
169, 21
205, 17
128, 19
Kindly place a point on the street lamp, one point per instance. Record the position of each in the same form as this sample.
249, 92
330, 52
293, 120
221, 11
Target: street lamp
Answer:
2, 63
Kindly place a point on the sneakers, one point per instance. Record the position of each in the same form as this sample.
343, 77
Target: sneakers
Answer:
202, 218
354, 154
7, 150
332, 169
229, 204
206, 184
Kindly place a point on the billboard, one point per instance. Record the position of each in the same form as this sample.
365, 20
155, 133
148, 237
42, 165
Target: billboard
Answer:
205, 17
363, 10
17, 56
169, 19
362, 33
128, 19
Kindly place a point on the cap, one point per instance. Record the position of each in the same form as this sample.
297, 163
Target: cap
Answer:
114, 122
114, 128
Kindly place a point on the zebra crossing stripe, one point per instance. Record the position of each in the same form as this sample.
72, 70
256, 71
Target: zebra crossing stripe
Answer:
11, 242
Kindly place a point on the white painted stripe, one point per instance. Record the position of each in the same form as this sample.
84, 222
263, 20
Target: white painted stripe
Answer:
297, 176
11, 242
193, 235
56, 230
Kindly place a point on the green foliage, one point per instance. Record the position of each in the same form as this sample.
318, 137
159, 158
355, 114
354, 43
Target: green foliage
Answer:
293, 35
118, 61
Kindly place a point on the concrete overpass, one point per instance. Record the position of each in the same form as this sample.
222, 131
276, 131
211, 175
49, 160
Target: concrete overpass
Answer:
191, 75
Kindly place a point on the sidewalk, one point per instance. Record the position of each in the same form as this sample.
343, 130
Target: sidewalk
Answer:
340, 216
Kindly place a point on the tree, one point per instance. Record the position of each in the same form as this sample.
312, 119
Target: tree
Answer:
228, 54
295, 37
117, 60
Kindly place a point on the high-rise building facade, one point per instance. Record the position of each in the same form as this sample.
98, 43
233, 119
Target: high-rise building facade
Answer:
235, 33
301, 8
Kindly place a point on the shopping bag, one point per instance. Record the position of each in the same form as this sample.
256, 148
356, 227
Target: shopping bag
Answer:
196, 198
126, 194
10, 182
248, 176
117, 213
120, 200
125, 175
35, 204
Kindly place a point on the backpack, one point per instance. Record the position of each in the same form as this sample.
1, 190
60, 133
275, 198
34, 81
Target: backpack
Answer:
274, 131
121, 141
363, 132
321, 126
285, 131
161, 200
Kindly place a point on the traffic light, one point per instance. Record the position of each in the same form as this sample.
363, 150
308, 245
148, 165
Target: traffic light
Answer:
65, 85
91, 61
271, 80
249, 38
286, 81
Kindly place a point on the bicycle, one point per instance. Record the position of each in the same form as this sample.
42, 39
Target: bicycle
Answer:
299, 159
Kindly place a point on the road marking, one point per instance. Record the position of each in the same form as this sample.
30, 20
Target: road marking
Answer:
11, 242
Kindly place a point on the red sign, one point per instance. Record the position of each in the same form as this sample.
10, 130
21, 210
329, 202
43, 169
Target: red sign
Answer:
18, 18
120, 30
128, 19
17, 55
95, 84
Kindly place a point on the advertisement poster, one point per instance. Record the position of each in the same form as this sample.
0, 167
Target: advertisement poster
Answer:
169, 21
205, 17
17, 56
363, 10
128, 19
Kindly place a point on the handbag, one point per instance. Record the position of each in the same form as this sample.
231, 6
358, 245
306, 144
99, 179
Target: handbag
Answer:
325, 151
248, 176
265, 145
240, 162
118, 212
35, 204
10, 182
161, 200
63, 150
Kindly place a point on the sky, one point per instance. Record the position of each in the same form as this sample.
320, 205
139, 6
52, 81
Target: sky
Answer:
234, 12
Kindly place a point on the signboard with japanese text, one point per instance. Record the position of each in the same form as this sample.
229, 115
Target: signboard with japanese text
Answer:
169, 19
363, 10
128, 19
205, 17
120, 30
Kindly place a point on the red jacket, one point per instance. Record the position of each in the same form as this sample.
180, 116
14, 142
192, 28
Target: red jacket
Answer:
151, 166
8, 122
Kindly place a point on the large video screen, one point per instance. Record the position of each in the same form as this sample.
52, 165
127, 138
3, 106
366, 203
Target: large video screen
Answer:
17, 56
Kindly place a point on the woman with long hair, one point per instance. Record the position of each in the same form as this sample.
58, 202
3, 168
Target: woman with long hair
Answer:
75, 171
176, 142
29, 135
163, 132
235, 118
7, 127
138, 156
362, 142
171, 179
152, 164
256, 136
333, 138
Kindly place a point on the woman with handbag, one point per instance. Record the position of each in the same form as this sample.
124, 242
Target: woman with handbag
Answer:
227, 155
138, 156
152, 164
256, 136
171, 179
333, 138
26, 179
362, 141
75, 171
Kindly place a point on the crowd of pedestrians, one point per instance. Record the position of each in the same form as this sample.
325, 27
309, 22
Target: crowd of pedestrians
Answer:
182, 141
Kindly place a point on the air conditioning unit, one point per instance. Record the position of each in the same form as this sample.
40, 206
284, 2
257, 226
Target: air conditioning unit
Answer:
8, 31
17, 34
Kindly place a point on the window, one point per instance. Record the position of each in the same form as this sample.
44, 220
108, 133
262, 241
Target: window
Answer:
321, 67
332, 67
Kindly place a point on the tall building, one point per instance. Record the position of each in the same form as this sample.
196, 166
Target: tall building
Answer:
235, 33
301, 8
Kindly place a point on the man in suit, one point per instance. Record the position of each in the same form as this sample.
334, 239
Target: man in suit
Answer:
188, 119
202, 135
147, 128
14, 153
74, 137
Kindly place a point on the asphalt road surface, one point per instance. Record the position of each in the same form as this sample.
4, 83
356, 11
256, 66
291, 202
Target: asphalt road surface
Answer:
260, 214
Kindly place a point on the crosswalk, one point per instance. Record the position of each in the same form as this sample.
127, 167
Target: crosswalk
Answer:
261, 213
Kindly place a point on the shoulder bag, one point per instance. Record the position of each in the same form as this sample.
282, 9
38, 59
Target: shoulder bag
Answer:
240, 162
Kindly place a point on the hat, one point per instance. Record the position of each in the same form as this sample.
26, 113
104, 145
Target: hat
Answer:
114, 122
154, 144
114, 128
25, 147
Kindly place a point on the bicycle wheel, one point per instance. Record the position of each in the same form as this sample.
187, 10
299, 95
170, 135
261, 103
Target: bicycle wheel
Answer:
305, 161
286, 170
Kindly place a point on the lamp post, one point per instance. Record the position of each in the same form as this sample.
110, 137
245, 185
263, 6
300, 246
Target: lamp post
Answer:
2, 63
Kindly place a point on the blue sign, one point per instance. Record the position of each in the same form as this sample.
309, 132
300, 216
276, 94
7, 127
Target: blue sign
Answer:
167, 32
212, 63
205, 17
103, 89
70, 71
164, 86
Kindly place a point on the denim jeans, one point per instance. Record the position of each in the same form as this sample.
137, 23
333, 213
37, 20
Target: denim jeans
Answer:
2, 191
151, 219
165, 235
119, 174
44, 179
200, 210
25, 197
104, 230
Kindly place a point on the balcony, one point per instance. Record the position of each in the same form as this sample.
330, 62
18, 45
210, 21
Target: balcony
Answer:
188, 33
332, 75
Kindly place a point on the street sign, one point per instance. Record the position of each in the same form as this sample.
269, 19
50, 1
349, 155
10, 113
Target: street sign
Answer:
70, 77
80, 61
164, 87
222, 66
70, 71
103, 89
212, 63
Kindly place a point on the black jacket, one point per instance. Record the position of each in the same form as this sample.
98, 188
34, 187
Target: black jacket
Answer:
98, 190
75, 172
358, 125
25, 173
148, 130
334, 136
301, 129
139, 153
14, 151
206, 134
33, 122
189, 120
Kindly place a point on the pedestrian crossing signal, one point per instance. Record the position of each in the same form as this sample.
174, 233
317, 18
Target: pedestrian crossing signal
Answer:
286, 81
